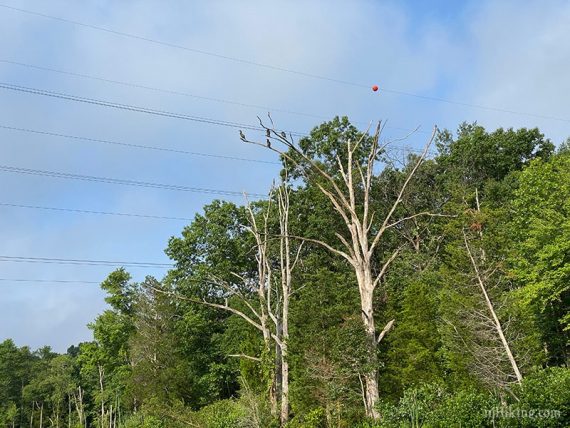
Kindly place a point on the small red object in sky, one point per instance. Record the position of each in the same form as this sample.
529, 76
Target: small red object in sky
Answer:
375, 88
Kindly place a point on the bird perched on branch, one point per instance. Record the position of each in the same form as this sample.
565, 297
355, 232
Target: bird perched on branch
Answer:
242, 135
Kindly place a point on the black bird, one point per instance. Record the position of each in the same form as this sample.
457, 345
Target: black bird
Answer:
242, 135
268, 143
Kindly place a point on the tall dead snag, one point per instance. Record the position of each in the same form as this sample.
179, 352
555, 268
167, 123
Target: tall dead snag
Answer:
287, 265
496, 324
264, 279
350, 198
265, 299
480, 277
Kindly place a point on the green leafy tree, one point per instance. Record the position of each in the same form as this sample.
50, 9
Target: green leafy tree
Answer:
540, 254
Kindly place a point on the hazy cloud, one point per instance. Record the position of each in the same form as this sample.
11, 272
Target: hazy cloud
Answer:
502, 54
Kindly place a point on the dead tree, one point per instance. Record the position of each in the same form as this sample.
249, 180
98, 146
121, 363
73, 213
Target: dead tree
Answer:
287, 265
265, 301
274, 304
351, 200
481, 279
496, 323
262, 314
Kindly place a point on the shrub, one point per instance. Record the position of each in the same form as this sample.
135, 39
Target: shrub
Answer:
468, 409
414, 408
316, 418
142, 421
544, 399
222, 414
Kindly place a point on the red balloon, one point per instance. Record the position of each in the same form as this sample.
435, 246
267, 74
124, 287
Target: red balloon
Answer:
375, 88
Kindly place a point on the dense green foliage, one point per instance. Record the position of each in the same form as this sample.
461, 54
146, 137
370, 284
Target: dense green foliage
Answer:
160, 357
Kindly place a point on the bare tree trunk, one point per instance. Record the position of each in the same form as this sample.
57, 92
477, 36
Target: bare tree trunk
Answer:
78, 399
370, 375
41, 415
100, 369
284, 349
117, 412
492, 312
260, 314
278, 363
287, 266
284, 417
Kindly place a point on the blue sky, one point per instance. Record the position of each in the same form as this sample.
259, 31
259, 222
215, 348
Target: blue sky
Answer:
504, 54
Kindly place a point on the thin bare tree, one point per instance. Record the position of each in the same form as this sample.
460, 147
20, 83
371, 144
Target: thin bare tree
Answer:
287, 265
265, 299
262, 314
478, 327
351, 199
481, 279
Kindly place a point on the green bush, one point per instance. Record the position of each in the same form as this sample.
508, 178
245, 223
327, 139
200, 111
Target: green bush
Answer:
143, 421
222, 414
316, 418
414, 408
543, 401
431, 406
468, 409
545, 394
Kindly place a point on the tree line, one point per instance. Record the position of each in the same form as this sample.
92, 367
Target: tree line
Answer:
370, 289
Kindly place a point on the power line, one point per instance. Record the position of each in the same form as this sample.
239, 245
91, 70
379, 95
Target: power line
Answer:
82, 262
402, 148
37, 207
184, 94
118, 181
185, 48
132, 145
137, 109
166, 91
70, 281
57, 281
279, 68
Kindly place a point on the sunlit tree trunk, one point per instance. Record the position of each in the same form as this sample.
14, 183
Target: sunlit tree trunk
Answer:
287, 265
102, 390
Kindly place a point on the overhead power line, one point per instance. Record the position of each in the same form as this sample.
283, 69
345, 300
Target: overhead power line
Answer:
185, 94
278, 68
132, 145
123, 182
56, 281
396, 147
37, 207
185, 48
167, 91
137, 109
83, 262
